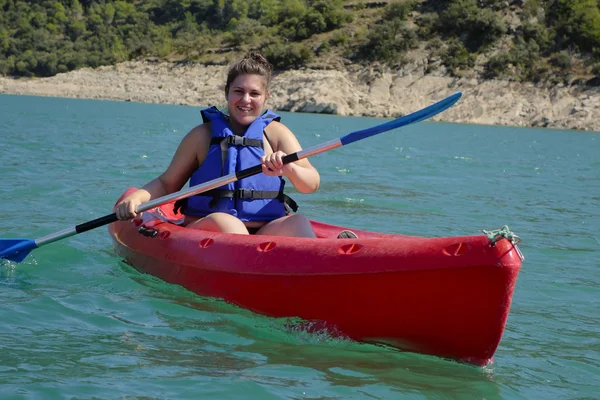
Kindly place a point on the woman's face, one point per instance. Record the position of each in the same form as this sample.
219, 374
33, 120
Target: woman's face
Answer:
246, 98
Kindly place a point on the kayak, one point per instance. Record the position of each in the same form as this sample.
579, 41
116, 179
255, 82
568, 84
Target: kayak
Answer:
448, 297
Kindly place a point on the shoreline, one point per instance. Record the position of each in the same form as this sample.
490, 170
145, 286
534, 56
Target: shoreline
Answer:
355, 91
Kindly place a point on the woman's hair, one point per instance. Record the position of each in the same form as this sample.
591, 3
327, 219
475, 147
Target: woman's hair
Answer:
253, 63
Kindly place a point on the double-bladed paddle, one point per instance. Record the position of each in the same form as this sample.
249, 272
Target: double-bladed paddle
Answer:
17, 249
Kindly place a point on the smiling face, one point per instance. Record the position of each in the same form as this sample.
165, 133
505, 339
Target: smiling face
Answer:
246, 98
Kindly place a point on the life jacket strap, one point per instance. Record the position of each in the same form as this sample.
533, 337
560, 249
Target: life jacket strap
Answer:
234, 140
237, 141
250, 194
244, 194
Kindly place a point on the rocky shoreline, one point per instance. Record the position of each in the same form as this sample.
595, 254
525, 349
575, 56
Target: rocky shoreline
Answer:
353, 91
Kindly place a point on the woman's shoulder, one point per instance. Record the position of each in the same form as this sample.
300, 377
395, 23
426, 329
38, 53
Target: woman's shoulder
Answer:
198, 137
278, 129
283, 138
200, 132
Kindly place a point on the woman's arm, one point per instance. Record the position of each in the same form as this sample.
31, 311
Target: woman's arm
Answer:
189, 155
301, 173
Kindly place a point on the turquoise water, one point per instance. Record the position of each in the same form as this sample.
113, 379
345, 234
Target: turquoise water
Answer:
76, 322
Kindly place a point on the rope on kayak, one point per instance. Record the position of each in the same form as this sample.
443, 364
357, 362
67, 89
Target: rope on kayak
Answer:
504, 233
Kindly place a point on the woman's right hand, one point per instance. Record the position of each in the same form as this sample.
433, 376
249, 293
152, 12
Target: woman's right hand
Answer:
126, 209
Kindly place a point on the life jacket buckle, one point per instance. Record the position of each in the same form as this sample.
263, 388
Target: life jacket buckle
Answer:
245, 194
236, 140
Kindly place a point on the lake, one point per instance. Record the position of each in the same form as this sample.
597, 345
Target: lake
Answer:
77, 322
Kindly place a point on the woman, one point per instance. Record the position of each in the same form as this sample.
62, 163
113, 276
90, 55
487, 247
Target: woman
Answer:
225, 144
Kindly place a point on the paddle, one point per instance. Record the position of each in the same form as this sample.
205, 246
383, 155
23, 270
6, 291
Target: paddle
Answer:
17, 249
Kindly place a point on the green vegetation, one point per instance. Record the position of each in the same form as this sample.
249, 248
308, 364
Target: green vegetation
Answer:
533, 40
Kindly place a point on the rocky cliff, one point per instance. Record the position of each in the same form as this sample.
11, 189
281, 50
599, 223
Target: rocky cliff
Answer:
353, 91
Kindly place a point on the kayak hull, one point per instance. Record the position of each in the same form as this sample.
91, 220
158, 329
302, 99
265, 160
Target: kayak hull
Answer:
448, 297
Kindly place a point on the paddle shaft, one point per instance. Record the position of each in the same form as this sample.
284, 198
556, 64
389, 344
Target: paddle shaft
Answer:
17, 249
182, 194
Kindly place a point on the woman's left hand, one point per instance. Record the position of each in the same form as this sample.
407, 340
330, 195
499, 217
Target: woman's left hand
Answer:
272, 164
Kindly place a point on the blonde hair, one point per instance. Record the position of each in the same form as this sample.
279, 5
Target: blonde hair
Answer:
253, 63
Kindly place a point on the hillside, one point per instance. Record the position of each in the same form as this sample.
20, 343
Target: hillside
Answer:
542, 41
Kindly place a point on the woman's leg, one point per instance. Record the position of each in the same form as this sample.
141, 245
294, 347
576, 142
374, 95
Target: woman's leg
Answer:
220, 222
293, 225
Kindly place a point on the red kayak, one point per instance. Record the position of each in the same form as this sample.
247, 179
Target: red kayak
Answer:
449, 297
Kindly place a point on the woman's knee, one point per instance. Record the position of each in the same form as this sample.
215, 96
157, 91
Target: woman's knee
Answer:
298, 219
294, 225
302, 225
220, 222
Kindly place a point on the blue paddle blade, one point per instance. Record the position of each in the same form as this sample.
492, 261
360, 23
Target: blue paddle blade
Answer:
16, 249
417, 116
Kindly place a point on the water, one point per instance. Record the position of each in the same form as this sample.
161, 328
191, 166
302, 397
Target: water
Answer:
76, 322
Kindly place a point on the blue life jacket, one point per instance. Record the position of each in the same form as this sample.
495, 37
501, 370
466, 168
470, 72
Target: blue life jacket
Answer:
255, 198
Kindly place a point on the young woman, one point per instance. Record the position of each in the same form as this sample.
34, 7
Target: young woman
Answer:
226, 144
